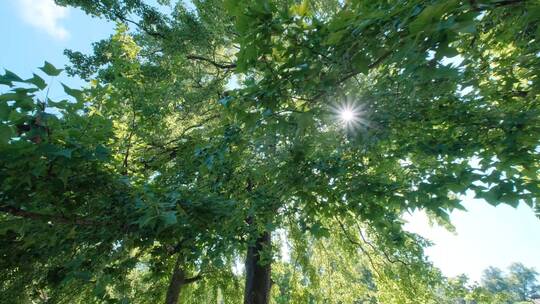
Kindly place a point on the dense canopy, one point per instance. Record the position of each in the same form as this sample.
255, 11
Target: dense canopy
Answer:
265, 150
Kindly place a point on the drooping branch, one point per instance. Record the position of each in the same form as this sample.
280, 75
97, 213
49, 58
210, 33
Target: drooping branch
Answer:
507, 2
355, 72
172, 150
192, 279
350, 239
46, 217
212, 62
386, 255
159, 35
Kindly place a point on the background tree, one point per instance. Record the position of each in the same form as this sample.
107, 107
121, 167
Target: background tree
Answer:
520, 284
494, 287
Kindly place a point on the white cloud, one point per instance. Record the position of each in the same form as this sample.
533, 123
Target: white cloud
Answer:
45, 15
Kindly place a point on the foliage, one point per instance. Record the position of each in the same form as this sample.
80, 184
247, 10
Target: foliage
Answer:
520, 285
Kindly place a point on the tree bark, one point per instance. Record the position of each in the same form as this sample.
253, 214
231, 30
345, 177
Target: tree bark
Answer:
258, 280
177, 280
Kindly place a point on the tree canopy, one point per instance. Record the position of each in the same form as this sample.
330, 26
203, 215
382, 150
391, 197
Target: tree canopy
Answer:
210, 133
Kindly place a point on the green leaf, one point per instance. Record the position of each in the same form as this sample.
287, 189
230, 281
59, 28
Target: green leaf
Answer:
335, 37
4, 111
431, 14
146, 220
446, 51
225, 100
489, 196
169, 218
9, 77
102, 152
243, 23
5, 133
304, 120
233, 7
468, 27
83, 275
50, 69
361, 63
100, 289
26, 103
37, 81
267, 113
62, 104
11, 96
77, 94
52, 150
319, 231
124, 300
64, 153
301, 9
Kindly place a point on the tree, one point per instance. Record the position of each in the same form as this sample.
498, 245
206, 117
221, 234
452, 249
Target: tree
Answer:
523, 281
494, 281
495, 287
520, 284
191, 172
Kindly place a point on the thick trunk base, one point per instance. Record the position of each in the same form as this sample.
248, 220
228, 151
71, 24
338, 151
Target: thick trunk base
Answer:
177, 280
258, 280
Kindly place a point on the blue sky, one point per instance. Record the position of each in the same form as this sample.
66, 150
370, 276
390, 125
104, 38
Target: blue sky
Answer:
33, 31
485, 236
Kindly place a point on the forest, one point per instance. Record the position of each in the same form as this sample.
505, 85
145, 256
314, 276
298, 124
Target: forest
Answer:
266, 151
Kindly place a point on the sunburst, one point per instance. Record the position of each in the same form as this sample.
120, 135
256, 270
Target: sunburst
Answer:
350, 114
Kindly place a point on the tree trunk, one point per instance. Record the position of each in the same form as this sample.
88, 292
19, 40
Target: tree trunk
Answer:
258, 281
177, 280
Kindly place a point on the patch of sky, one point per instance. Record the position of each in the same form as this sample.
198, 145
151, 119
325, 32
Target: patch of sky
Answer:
484, 236
30, 42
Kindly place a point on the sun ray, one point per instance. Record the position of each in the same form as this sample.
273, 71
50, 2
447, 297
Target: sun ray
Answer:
350, 114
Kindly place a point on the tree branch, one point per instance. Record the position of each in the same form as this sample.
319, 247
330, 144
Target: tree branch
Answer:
388, 258
212, 62
353, 73
46, 217
193, 279
359, 245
